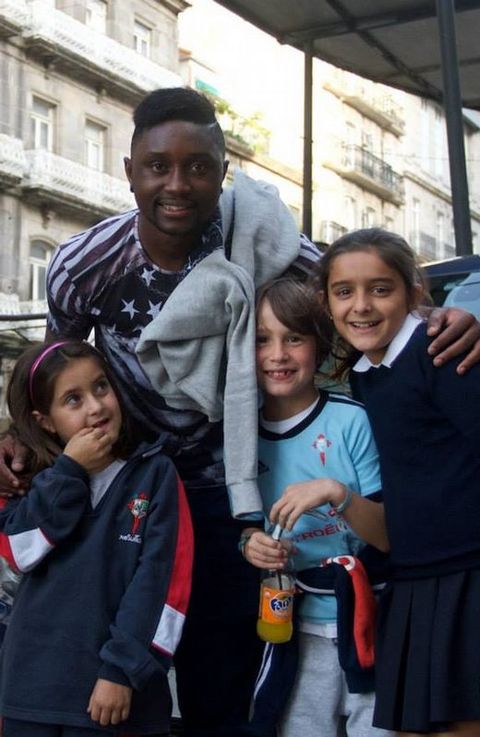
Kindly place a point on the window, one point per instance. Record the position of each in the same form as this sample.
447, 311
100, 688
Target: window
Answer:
350, 213
95, 135
40, 253
142, 38
96, 15
368, 217
440, 234
42, 118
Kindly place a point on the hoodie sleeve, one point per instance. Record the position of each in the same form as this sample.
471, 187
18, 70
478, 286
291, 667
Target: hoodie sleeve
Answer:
31, 526
149, 621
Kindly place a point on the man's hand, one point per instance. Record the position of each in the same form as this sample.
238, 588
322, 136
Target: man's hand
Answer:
109, 702
90, 447
458, 331
12, 461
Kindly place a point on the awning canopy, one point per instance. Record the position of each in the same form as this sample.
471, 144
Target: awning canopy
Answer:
428, 48
391, 41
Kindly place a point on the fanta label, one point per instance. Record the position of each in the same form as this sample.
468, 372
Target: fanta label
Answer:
276, 605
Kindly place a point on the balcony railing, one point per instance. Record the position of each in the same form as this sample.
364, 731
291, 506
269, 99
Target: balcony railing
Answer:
54, 179
56, 36
12, 160
371, 172
364, 97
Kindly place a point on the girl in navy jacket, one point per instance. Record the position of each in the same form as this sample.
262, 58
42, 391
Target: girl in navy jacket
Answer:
105, 540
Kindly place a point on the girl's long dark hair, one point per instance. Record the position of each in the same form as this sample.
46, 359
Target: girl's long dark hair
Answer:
27, 393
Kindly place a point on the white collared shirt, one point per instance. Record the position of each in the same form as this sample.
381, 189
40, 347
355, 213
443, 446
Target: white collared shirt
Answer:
397, 345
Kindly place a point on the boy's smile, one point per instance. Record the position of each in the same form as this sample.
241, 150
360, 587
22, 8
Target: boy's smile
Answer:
286, 365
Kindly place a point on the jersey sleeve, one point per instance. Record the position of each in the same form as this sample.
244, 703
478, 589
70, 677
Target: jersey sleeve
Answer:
364, 454
149, 621
32, 526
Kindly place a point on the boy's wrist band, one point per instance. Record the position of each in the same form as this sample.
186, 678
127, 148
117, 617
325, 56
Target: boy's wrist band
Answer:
244, 538
340, 508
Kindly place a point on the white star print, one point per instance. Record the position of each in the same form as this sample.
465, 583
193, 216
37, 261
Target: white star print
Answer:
147, 276
154, 309
128, 307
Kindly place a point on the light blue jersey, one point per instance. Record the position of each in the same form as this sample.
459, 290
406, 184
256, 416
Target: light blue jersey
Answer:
334, 441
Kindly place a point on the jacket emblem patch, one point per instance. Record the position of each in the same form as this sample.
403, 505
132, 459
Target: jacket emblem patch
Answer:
138, 507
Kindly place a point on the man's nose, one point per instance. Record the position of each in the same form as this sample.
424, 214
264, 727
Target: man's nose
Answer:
177, 180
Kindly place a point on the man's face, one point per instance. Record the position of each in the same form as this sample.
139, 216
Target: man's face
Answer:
176, 172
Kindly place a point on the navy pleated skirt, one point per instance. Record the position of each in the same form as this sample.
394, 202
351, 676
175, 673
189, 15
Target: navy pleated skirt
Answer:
428, 653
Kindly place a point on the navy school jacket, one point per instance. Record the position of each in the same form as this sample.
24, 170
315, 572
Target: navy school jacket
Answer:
104, 595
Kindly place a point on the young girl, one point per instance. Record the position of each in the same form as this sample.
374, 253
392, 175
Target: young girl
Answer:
104, 539
315, 451
426, 423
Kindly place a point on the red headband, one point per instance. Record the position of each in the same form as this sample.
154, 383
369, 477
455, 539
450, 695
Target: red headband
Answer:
39, 360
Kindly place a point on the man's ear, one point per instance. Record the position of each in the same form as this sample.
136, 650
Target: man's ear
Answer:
225, 168
44, 421
127, 163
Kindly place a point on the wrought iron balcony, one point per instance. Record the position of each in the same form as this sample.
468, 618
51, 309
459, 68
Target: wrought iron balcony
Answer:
69, 186
60, 40
368, 171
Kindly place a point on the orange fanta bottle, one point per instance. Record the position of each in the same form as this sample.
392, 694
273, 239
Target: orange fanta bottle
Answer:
274, 622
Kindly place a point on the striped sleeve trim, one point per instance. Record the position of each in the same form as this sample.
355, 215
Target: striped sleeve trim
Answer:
28, 548
169, 630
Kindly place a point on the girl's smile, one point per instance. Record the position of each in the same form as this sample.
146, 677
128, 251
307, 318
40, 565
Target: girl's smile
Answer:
368, 301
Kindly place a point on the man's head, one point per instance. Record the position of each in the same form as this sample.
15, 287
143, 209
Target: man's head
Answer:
177, 103
177, 164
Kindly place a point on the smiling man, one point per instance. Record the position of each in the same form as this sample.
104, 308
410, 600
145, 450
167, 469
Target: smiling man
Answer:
115, 278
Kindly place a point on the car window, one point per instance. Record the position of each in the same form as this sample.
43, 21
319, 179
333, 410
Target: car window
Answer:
459, 290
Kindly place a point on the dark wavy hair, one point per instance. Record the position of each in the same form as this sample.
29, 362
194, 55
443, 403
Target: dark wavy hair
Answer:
26, 394
298, 307
176, 103
394, 252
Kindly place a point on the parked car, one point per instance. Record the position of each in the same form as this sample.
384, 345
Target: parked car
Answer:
455, 282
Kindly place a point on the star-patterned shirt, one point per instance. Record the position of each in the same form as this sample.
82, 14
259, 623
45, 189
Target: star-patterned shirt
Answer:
102, 279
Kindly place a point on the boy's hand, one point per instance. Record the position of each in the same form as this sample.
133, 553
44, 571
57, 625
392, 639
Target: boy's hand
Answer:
458, 331
299, 498
109, 702
90, 447
264, 552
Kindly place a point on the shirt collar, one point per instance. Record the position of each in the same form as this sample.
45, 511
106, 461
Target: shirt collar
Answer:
397, 345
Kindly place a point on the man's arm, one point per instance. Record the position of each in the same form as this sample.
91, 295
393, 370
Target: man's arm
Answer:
458, 332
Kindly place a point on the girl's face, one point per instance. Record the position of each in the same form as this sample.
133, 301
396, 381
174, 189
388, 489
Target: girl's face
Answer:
368, 301
286, 365
83, 397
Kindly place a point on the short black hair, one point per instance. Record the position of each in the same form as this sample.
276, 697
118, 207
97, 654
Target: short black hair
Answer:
176, 103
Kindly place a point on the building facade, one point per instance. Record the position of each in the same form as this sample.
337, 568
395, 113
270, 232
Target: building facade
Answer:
71, 72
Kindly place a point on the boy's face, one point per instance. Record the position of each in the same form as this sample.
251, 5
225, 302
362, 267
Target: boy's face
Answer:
286, 365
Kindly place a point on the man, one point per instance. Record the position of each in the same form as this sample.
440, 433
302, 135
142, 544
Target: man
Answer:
115, 278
